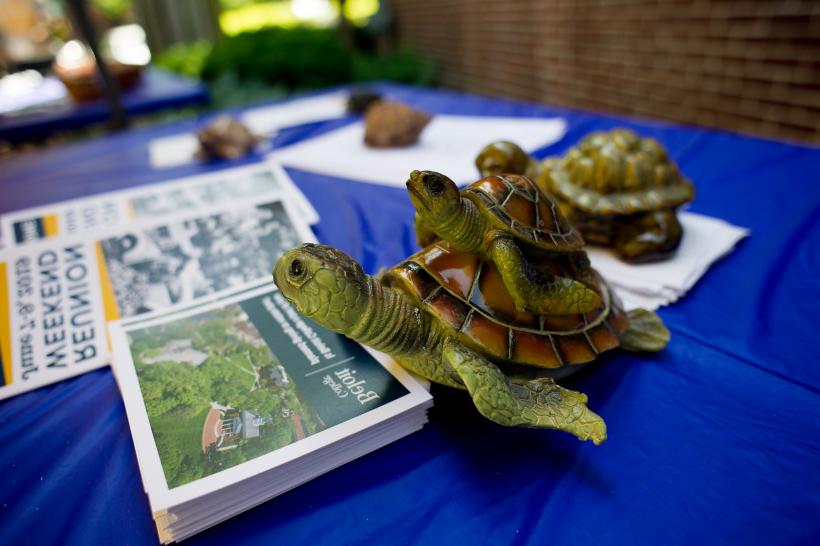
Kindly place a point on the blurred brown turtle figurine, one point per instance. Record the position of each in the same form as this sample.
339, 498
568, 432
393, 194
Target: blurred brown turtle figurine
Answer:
619, 190
390, 124
447, 316
225, 138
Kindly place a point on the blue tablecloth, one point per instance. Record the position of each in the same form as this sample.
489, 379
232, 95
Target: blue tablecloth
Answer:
714, 441
156, 91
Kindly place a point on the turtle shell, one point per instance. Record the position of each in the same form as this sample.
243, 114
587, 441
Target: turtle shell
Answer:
515, 204
466, 293
617, 173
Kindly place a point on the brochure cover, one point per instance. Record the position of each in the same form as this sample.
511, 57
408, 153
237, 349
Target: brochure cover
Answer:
218, 393
57, 295
265, 181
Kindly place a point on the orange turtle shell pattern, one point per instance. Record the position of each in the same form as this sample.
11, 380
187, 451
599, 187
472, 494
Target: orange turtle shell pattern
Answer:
515, 204
467, 294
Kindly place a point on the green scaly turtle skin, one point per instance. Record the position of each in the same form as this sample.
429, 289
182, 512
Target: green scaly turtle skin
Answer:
508, 220
621, 191
406, 315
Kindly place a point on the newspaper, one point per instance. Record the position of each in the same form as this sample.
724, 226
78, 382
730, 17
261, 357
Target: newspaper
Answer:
110, 210
57, 293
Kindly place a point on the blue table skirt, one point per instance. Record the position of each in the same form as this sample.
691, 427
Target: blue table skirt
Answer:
714, 441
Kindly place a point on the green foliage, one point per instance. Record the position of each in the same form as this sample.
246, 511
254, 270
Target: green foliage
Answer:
186, 59
297, 58
169, 387
117, 11
307, 58
234, 4
178, 436
268, 64
404, 66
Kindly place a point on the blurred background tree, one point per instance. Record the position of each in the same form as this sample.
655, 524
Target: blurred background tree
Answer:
270, 48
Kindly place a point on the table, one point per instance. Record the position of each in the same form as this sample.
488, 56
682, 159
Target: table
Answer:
157, 90
714, 441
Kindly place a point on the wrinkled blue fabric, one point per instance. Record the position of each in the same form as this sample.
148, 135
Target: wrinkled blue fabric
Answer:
714, 441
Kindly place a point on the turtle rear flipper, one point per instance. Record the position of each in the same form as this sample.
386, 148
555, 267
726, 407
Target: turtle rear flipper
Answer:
646, 332
538, 403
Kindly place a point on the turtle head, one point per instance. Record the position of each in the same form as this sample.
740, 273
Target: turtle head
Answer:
434, 196
502, 157
324, 284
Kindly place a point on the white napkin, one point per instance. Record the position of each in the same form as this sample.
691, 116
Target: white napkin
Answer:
180, 149
267, 120
448, 145
705, 240
172, 151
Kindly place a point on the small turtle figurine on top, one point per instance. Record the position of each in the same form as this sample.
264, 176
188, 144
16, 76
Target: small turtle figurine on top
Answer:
445, 315
508, 220
619, 190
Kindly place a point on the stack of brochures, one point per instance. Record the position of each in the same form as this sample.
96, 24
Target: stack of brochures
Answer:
234, 402
232, 397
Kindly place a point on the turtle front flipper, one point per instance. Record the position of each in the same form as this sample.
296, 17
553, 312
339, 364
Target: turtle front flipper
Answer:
538, 403
537, 291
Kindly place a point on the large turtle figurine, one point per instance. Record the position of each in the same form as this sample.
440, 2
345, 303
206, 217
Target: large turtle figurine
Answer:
618, 189
446, 315
508, 220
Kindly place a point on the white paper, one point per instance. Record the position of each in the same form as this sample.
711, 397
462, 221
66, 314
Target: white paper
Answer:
448, 145
52, 315
180, 149
173, 151
267, 120
56, 295
263, 181
705, 240
28, 91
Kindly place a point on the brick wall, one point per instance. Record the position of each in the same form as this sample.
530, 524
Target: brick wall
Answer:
750, 66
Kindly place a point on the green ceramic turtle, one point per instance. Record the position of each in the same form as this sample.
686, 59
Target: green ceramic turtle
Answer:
446, 315
503, 157
508, 220
619, 190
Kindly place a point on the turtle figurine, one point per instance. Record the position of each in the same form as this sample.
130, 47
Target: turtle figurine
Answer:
503, 156
226, 138
620, 190
508, 220
393, 124
446, 315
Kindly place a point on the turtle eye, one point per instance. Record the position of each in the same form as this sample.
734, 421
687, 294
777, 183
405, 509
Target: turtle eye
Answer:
435, 186
297, 269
